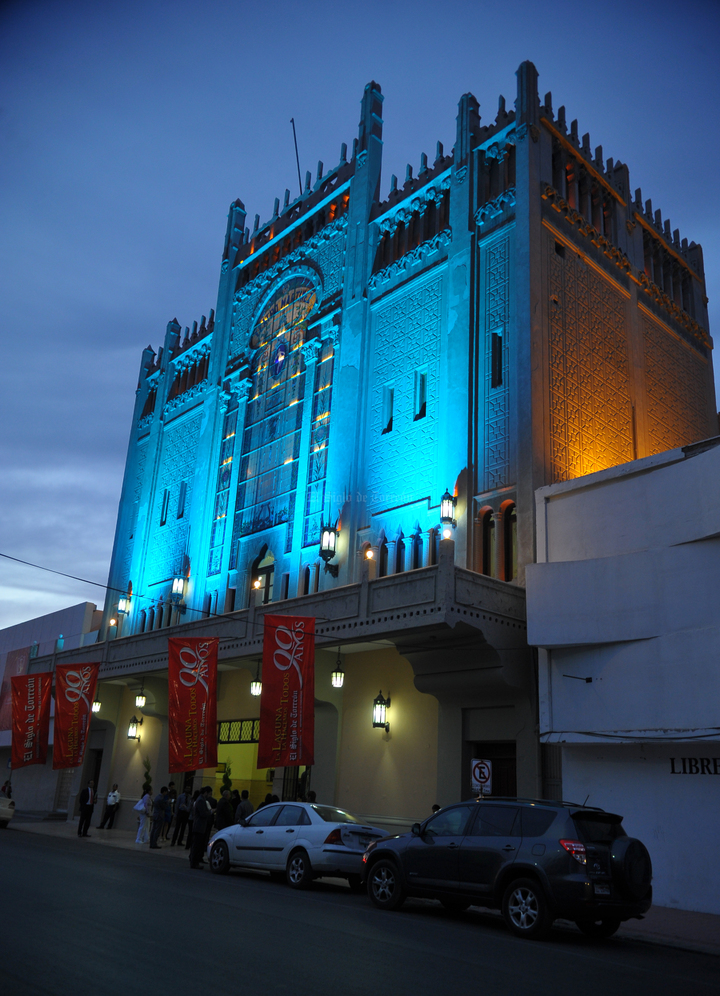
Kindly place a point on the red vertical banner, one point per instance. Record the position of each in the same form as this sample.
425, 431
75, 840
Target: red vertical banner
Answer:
287, 704
16, 663
192, 687
30, 718
75, 687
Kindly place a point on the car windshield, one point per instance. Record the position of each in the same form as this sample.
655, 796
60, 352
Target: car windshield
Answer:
332, 815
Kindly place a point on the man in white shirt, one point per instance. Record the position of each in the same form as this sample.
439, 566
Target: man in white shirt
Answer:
111, 805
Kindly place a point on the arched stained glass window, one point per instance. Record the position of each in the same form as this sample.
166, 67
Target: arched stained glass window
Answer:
271, 438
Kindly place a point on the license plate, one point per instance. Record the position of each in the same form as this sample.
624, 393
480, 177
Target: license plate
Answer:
602, 890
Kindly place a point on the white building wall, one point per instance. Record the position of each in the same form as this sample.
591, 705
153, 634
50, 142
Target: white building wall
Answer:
623, 605
676, 816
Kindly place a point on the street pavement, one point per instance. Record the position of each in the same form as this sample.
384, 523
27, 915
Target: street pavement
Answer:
103, 915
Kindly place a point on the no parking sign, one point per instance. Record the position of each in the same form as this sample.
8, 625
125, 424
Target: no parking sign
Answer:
481, 776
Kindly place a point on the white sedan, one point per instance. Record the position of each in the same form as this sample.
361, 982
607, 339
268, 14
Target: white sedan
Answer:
7, 811
295, 840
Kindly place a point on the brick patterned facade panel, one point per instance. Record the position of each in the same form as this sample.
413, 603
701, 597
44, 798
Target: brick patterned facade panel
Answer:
132, 524
167, 543
407, 339
497, 314
675, 384
590, 408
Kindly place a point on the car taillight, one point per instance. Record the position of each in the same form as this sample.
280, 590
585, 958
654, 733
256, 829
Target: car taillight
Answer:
334, 837
577, 850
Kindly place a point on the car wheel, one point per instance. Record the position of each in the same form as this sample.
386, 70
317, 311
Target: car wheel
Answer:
384, 886
219, 858
455, 905
598, 928
525, 909
355, 883
299, 870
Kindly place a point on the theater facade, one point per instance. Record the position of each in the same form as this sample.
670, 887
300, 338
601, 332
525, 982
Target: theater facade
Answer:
356, 433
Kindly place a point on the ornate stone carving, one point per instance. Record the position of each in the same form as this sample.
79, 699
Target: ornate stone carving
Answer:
192, 394
619, 258
496, 207
177, 464
674, 382
311, 350
590, 410
324, 252
497, 313
408, 326
409, 259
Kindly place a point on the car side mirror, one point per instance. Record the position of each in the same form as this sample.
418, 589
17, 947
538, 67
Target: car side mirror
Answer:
415, 829
242, 822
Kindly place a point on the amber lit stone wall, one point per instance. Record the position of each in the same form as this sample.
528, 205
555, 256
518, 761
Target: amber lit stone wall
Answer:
675, 384
590, 407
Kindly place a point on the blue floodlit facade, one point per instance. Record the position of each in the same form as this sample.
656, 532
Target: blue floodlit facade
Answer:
510, 316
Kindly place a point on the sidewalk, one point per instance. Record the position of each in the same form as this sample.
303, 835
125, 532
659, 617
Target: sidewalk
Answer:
662, 925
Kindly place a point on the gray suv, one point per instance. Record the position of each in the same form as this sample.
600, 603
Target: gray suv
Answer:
534, 859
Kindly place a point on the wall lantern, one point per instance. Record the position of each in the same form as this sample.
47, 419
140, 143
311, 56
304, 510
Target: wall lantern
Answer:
369, 554
338, 675
256, 684
113, 622
257, 584
132, 732
447, 514
328, 546
178, 589
124, 602
380, 708
96, 705
140, 697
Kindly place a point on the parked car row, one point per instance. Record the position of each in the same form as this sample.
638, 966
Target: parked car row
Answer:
535, 860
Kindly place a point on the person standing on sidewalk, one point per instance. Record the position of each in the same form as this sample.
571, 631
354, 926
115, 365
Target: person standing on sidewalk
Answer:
111, 805
184, 804
202, 822
191, 811
143, 817
245, 808
87, 804
160, 804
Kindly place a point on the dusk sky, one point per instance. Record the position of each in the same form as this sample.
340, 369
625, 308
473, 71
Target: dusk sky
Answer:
127, 129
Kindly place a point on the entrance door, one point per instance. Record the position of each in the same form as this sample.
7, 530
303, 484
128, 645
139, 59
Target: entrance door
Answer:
504, 769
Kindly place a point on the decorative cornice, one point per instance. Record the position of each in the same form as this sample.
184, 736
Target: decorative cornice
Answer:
145, 422
404, 263
191, 355
496, 207
361, 158
620, 260
432, 194
192, 392
303, 254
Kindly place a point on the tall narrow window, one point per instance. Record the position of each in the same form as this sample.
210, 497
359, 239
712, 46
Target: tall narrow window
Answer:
165, 503
488, 543
181, 499
509, 521
388, 405
496, 365
420, 394
383, 560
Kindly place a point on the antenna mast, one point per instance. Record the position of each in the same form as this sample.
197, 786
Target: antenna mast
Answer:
297, 157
